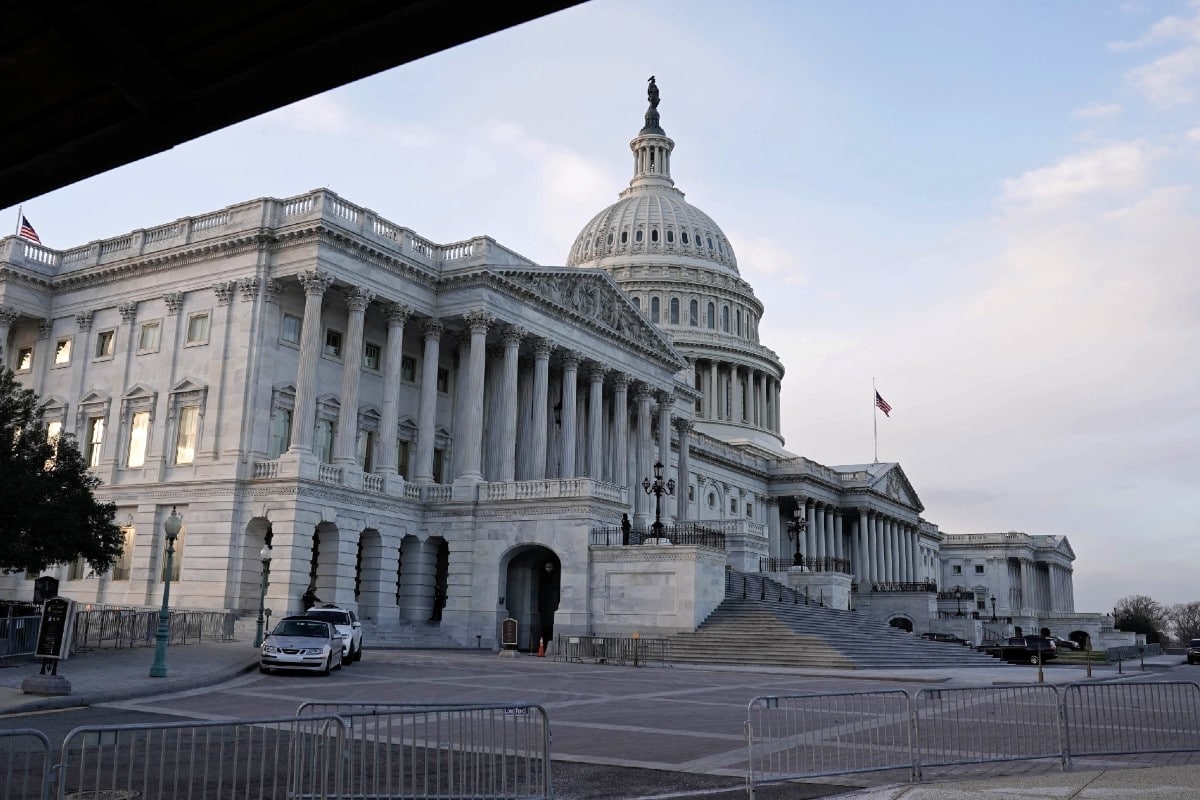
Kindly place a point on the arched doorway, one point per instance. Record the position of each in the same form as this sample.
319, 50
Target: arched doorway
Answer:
529, 583
903, 623
258, 533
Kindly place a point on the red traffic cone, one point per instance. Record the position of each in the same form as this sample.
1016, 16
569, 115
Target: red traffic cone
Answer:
542, 647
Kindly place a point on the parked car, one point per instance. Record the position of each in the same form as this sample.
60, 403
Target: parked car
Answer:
945, 637
1023, 649
1066, 644
301, 643
1193, 651
348, 627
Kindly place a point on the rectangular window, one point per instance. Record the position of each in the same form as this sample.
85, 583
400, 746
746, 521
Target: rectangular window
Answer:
62, 352
749, 509
106, 342
290, 329
176, 558
281, 432
402, 458
979, 569
120, 570
148, 338
956, 569
693, 313
53, 430
185, 439
324, 443
408, 369
333, 343
371, 354
366, 451
443, 380
197, 328
674, 310
95, 438
439, 460
25, 359
139, 432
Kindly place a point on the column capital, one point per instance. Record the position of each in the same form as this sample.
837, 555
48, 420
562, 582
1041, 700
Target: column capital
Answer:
478, 321
621, 381
542, 347
512, 335
644, 392
683, 426
358, 298
9, 315
315, 281
128, 311
83, 319
174, 302
224, 292
596, 371
434, 328
249, 288
397, 313
274, 289
571, 359
45, 326
664, 397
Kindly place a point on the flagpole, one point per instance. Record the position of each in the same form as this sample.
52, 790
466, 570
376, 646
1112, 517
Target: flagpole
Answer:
875, 417
17, 232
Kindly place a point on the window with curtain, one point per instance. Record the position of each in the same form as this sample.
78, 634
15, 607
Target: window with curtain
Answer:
185, 437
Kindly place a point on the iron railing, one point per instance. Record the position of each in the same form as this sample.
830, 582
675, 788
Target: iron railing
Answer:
612, 650
136, 627
760, 587
904, 586
24, 764
809, 563
683, 533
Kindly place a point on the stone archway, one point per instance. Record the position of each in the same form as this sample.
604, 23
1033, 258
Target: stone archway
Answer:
530, 577
323, 565
368, 590
903, 623
249, 584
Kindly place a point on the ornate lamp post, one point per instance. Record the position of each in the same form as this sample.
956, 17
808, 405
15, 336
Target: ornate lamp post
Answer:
795, 531
265, 556
159, 668
658, 488
993, 608
958, 597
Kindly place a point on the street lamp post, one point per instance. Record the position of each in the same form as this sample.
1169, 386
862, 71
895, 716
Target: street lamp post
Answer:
993, 608
658, 488
159, 668
958, 597
265, 556
795, 530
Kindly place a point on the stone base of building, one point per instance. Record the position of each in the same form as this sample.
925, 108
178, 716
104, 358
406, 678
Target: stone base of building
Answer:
654, 590
823, 588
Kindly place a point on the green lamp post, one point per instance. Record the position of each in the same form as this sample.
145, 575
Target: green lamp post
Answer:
159, 668
265, 556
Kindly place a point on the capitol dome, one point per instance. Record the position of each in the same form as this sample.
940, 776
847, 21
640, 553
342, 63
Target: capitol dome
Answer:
651, 217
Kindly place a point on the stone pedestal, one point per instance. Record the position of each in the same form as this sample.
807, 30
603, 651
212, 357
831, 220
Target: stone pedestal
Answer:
827, 588
46, 685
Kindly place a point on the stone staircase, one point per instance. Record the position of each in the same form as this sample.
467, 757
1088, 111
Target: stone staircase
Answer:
403, 635
773, 633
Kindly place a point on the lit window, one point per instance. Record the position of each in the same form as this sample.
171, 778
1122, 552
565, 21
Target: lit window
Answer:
53, 430
62, 351
371, 354
105, 343
290, 329
408, 369
185, 439
139, 430
148, 339
25, 359
120, 570
281, 432
333, 343
95, 438
197, 328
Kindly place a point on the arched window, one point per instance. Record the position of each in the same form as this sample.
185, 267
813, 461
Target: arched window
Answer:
670, 236
674, 310
725, 319
710, 244
683, 237
694, 313
637, 236
654, 234
739, 322
624, 237
712, 316
637, 303
654, 310
610, 237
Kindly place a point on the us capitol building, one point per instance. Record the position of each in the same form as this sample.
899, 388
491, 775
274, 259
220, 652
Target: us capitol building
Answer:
451, 433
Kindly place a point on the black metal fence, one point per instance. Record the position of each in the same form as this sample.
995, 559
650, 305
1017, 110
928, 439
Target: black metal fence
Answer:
684, 533
811, 564
136, 627
612, 650
917, 586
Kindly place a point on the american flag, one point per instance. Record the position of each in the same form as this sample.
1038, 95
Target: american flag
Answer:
882, 405
27, 231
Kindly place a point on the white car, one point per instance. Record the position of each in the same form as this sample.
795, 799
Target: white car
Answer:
348, 627
300, 643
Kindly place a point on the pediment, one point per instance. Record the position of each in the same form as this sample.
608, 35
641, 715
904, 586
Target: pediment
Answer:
895, 484
593, 295
189, 385
52, 403
139, 390
94, 396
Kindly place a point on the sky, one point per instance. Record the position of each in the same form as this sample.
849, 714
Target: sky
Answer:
987, 208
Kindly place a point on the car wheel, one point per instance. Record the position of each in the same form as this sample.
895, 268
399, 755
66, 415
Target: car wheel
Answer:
1035, 660
358, 653
328, 665
348, 659
264, 670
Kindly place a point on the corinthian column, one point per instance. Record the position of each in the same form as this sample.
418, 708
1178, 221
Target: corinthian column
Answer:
315, 282
595, 456
621, 431
427, 414
397, 315
347, 435
508, 404
684, 427
8, 318
570, 380
478, 322
541, 393
642, 454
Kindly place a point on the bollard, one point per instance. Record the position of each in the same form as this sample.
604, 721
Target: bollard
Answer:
1142, 656
1120, 662
478, 640
1041, 676
1089, 663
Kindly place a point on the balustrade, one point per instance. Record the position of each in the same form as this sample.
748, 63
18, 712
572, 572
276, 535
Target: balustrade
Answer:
814, 564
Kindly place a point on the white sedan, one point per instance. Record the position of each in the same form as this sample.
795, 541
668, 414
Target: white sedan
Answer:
299, 643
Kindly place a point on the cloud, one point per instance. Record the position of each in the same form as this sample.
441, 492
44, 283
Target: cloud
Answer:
1165, 30
1169, 80
328, 115
768, 257
1119, 166
1098, 111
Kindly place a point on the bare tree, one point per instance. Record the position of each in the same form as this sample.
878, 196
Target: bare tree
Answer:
1141, 614
1185, 620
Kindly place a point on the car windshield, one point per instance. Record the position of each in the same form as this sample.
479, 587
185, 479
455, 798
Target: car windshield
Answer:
336, 617
295, 627
1194, 643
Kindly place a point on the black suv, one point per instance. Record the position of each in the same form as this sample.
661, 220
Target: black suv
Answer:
1193, 651
1023, 649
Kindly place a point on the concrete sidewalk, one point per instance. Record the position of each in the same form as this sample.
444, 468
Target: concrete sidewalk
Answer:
103, 676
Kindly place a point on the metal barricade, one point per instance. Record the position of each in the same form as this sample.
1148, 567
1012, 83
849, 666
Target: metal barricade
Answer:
18, 635
499, 752
1101, 719
801, 736
270, 759
24, 764
975, 725
612, 650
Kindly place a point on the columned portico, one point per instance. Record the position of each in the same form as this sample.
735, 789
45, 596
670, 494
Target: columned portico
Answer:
357, 300
315, 283
423, 471
397, 315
